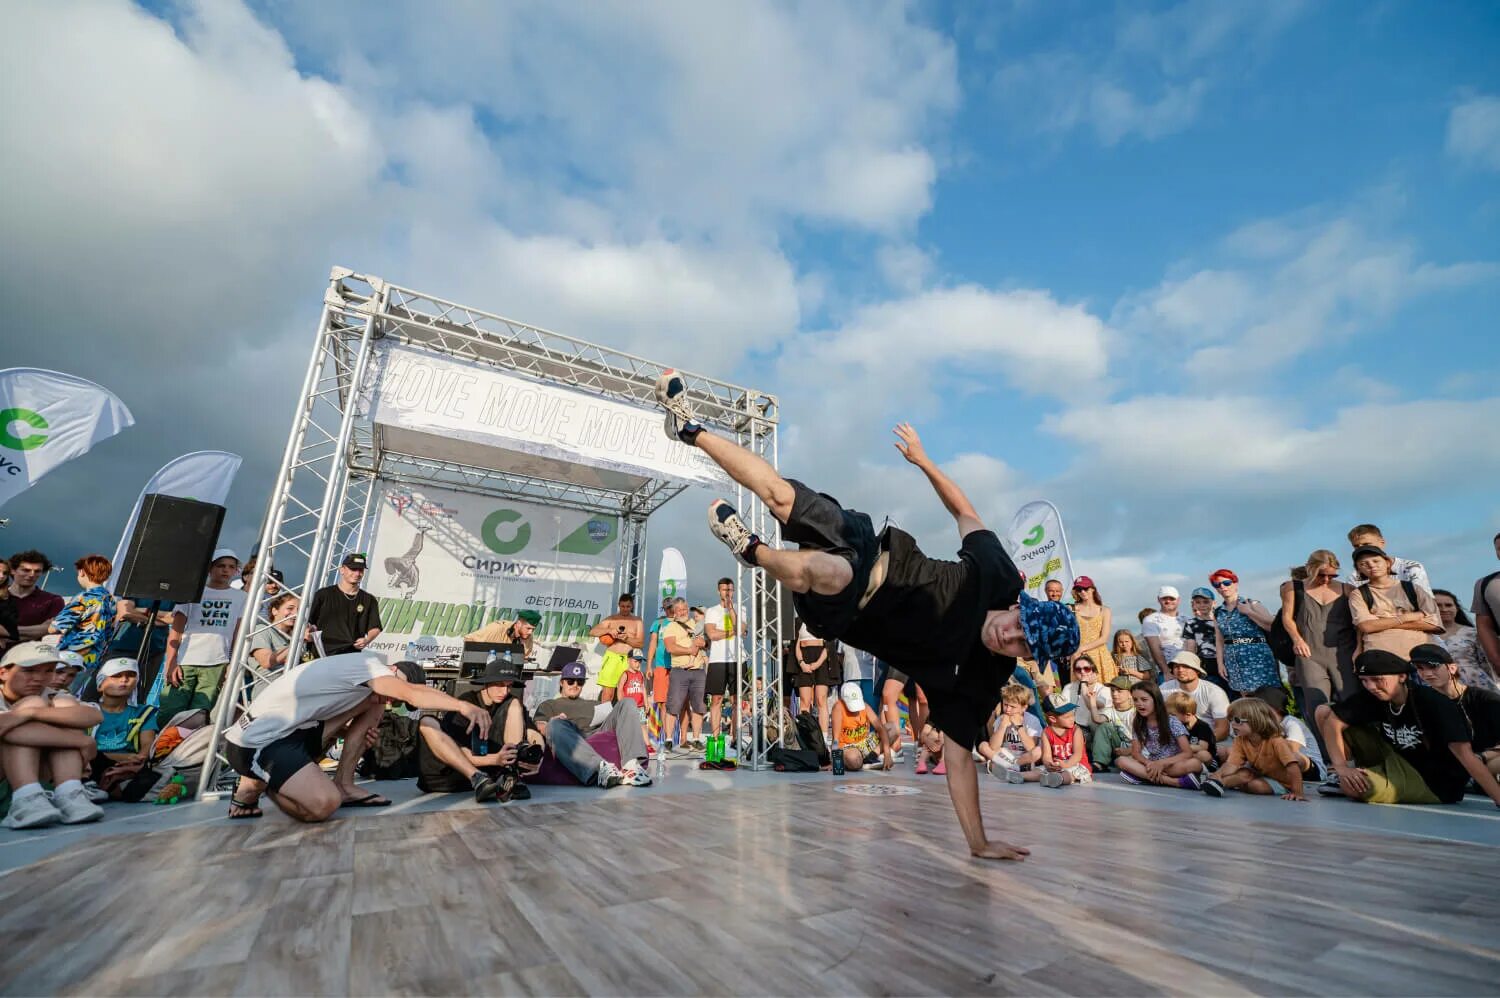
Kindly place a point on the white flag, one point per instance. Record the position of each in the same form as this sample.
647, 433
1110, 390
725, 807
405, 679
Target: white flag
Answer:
1039, 547
671, 581
47, 418
204, 475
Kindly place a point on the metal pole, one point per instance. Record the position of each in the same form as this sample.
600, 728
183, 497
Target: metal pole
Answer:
141, 660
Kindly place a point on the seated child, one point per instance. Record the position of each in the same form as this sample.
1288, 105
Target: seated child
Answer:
1064, 761
125, 734
1160, 752
857, 731
1014, 746
1200, 733
67, 671
632, 686
1293, 729
1261, 760
930, 751
1111, 740
43, 737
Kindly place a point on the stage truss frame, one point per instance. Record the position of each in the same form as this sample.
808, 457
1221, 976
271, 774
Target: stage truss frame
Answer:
322, 503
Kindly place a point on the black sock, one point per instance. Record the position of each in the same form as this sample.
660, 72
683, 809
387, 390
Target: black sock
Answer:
749, 554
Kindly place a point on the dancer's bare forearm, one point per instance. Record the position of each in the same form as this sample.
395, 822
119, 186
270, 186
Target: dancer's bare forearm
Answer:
952, 496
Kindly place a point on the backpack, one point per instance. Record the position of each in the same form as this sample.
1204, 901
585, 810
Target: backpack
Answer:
1279, 640
394, 754
1406, 584
785, 760
810, 737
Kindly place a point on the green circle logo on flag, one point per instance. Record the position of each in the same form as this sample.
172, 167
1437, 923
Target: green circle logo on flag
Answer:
492, 539
30, 417
1035, 537
668, 588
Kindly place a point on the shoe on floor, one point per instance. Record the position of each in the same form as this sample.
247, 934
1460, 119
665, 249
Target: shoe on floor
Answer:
1330, 789
1014, 776
1052, 781
941, 769
520, 791
96, 793
75, 807
922, 766
32, 811
609, 775
636, 776
1213, 787
671, 395
485, 787
725, 524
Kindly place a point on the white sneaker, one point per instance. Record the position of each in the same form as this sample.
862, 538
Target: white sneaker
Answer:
96, 793
609, 775
725, 524
1014, 776
1006, 758
76, 808
636, 776
671, 395
34, 811
1052, 780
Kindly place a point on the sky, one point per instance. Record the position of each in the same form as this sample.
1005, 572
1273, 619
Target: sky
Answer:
1219, 279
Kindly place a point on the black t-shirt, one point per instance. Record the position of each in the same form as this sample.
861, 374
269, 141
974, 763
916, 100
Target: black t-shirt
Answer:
1202, 631
456, 726
1483, 710
1202, 731
1420, 732
341, 619
926, 616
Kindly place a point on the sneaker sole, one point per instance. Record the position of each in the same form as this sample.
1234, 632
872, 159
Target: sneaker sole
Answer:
729, 529
679, 413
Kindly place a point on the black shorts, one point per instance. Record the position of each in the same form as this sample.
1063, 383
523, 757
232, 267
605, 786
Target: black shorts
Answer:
963, 711
720, 675
823, 675
818, 523
275, 763
435, 776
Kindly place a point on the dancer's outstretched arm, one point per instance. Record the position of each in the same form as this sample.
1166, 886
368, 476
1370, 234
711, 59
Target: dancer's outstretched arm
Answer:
953, 497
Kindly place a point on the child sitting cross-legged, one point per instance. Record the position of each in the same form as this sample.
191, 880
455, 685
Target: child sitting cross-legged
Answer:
1261, 760
1160, 752
1014, 745
1064, 760
1200, 733
1111, 740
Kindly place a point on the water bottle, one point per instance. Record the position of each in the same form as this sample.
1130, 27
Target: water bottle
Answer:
713, 753
837, 755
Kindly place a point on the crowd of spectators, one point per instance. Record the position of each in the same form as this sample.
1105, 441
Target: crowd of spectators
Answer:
1371, 685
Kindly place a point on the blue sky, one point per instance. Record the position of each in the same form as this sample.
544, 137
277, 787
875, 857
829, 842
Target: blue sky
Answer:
1220, 279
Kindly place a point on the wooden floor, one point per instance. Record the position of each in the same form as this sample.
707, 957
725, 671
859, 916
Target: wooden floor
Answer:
785, 888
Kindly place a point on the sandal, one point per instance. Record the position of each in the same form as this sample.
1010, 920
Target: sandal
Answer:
250, 810
368, 800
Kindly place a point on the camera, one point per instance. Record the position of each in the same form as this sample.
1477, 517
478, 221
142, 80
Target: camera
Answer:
529, 754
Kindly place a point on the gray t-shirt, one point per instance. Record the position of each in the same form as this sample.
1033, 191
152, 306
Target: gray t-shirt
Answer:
270, 639
1487, 597
579, 710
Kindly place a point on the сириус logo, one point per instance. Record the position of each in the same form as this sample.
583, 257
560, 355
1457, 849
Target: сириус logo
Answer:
28, 441
1035, 537
490, 532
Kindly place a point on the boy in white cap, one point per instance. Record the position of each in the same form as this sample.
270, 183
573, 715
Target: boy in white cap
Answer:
43, 735
127, 731
201, 636
857, 730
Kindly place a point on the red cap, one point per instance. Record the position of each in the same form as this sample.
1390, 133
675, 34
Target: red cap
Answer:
1083, 582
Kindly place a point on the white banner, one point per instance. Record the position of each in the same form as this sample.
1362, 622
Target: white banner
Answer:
1039, 547
417, 390
445, 563
47, 418
671, 581
204, 475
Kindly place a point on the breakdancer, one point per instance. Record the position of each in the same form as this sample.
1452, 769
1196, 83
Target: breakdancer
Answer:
956, 627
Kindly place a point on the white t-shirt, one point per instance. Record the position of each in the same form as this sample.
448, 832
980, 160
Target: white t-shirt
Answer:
318, 691
1122, 719
1082, 716
727, 648
1213, 702
210, 626
1404, 569
1166, 628
1296, 732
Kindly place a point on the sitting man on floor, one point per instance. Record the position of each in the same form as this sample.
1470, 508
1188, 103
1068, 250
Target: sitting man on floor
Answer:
565, 722
453, 759
1394, 742
277, 742
44, 735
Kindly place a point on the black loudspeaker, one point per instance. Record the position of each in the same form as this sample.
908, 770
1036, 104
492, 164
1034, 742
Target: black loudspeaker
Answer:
170, 551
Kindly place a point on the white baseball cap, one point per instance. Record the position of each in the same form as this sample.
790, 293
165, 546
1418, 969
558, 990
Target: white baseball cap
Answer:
1167, 592
31, 654
115, 666
223, 553
853, 697
69, 660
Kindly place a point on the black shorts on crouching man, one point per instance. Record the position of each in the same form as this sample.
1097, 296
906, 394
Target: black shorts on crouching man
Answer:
276, 763
818, 523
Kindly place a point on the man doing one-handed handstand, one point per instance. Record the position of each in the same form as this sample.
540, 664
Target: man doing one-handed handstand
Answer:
956, 628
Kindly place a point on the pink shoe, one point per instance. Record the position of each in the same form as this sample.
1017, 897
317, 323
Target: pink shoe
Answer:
921, 765
941, 769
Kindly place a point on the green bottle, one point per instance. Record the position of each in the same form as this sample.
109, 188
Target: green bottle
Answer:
715, 751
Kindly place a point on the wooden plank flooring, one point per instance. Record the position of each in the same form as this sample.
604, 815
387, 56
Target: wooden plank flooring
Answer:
782, 889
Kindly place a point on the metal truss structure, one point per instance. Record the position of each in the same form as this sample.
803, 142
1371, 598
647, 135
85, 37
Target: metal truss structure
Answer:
336, 459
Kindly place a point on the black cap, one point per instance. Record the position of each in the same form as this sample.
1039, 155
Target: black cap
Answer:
275, 573
355, 560
1365, 550
505, 668
411, 672
1379, 662
1431, 654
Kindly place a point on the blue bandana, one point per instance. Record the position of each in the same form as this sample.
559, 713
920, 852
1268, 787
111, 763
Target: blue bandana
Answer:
1050, 628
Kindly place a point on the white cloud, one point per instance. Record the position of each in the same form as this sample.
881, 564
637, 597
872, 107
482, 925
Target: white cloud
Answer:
905, 266
1283, 287
1474, 132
